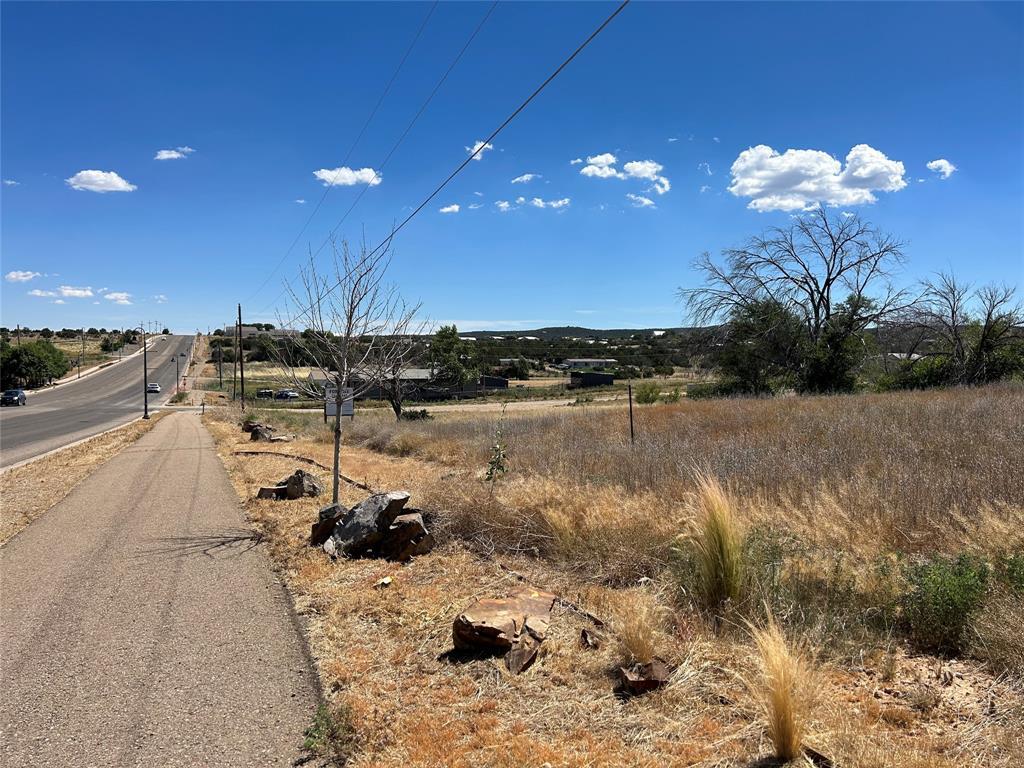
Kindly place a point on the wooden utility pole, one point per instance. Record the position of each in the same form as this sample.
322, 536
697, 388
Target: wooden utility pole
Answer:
632, 435
81, 355
19, 334
241, 357
220, 364
234, 362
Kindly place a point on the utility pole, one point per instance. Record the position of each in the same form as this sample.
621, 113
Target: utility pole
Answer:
632, 435
234, 363
81, 355
241, 358
19, 334
220, 365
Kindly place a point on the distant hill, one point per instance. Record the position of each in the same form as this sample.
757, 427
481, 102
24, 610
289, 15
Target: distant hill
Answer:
570, 331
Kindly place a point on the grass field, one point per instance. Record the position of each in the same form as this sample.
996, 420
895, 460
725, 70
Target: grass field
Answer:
845, 572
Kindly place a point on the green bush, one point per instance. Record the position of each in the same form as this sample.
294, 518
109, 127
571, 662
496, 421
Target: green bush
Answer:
944, 596
416, 415
673, 396
646, 392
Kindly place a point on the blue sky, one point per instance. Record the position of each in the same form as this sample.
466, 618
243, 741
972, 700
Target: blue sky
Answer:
264, 95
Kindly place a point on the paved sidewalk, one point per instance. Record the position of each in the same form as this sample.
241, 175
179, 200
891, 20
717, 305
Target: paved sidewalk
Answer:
140, 625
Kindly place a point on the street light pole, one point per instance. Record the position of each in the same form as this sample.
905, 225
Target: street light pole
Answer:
177, 375
145, 372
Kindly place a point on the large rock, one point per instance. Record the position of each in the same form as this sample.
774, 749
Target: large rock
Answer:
365, 526
261, 432
406, 537
639, 679
514, 626
301, 483
322, 528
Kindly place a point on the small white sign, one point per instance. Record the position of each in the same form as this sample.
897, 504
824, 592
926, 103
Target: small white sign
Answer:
331, 401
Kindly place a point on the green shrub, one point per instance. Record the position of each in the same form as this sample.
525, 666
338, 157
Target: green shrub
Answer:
944, 595
673, 396
1010, 571
416, 415
646, 392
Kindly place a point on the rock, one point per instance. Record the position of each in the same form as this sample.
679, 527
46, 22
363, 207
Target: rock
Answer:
275, 492
642, 678
301, 483
514, 626
261, 432
590, 639
321, 530
365, 526
406, 537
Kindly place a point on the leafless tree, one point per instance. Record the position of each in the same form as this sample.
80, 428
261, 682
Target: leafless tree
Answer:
967, 326
818, 267
355, 329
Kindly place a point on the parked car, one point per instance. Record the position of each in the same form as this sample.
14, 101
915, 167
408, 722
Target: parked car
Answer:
13, 397
152, 387
265, 394
287, 394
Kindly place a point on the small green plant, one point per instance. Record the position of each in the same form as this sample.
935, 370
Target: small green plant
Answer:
673, 396
497, 465
1010, 571
647, 392
944, 596
331, 735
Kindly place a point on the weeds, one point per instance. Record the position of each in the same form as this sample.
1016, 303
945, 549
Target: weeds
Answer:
944, 595
331, 735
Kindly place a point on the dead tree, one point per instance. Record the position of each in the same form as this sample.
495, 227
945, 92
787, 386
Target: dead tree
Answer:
351, 326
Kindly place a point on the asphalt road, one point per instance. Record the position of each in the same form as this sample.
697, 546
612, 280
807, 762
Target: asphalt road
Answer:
144, 627
105, 399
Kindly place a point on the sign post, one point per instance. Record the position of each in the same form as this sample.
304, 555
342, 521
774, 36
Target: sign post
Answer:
331, 401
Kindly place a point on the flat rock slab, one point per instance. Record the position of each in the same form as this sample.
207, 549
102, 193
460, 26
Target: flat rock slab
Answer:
143, 627
515, 626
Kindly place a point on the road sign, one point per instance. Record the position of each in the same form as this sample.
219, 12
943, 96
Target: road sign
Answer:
331, 401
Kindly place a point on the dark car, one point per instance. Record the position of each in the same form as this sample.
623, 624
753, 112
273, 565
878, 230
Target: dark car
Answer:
265, 394
13, 397
287, 394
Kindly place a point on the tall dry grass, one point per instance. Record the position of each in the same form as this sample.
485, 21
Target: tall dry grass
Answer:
717, 545
912, 471
785, 686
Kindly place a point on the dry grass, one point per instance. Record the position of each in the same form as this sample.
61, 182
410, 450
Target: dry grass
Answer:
590, 536
785, 685
717, 545
31, 489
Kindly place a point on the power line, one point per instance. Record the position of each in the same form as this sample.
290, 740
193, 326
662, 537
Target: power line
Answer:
386, 241
398, 143
351, 149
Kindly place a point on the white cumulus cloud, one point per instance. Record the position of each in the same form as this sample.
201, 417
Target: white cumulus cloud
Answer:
453, 208
59, 301
11, 183
802, 179
70, 291
20, 276
474, 206
178, 153
525, 178
38, 292
576, 161
118, 297
160, 298
504, 206
639, 201
603, 167
344, 176
556, 204
704, 188
300, 201
99, 181
479, 145
942, 167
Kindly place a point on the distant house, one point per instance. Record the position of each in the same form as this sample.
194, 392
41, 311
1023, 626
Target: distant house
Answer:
528, 338
251, 331
577, 363
582, 379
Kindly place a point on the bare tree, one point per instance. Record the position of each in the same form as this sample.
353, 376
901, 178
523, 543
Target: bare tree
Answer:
814, 267
965, 326
355, 328
833, 273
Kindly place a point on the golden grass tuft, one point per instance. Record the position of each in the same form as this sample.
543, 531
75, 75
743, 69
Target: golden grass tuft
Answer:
717, 545
785, 687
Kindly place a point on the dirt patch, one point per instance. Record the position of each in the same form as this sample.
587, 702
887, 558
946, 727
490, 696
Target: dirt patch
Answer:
31, 489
